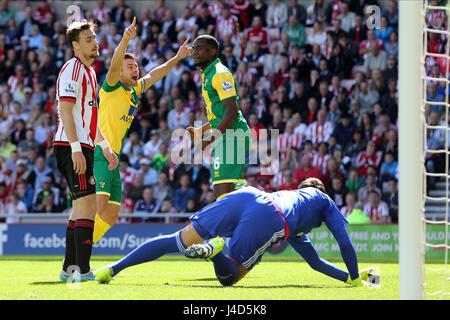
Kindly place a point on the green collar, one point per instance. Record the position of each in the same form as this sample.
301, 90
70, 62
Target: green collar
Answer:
211, 65
125, 87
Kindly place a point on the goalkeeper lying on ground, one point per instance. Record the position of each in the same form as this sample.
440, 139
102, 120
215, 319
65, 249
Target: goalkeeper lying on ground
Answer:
254, 220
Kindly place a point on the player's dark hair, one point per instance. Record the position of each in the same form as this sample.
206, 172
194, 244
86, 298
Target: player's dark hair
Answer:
313, 183
129, 56
210, 40
74, 30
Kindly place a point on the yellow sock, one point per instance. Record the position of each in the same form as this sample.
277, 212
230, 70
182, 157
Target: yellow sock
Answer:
100, 228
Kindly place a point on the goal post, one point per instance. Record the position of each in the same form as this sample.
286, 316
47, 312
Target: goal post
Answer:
411, 141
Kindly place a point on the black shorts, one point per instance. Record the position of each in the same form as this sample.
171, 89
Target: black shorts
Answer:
80, 185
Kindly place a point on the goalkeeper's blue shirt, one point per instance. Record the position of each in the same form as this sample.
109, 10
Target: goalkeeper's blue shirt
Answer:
306, 209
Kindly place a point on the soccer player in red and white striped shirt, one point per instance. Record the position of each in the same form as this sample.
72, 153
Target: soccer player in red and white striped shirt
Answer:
74, 144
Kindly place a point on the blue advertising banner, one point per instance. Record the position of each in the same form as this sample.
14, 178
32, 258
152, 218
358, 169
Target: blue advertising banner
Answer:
49, 239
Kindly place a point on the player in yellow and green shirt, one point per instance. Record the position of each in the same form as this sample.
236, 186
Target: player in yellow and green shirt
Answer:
231, 133
118, 105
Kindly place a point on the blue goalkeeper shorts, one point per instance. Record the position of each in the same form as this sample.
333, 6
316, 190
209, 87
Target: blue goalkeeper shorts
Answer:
248, 218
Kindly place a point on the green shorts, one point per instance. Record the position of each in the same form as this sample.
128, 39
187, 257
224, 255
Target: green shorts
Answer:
107, 182
229, 159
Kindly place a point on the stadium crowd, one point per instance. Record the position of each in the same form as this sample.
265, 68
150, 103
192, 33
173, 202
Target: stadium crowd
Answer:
316, 73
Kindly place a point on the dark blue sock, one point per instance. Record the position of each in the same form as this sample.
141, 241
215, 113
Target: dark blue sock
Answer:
150, 250
226, 269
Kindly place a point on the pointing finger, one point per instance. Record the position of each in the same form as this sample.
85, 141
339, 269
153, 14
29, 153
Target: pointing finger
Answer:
134, 21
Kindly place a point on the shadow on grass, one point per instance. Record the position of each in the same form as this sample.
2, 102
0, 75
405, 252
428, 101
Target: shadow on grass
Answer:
284, 286
44, 283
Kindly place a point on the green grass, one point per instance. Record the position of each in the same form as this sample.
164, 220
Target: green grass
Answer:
176, 278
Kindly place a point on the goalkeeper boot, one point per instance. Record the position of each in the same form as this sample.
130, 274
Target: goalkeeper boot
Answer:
104, 275
205, 250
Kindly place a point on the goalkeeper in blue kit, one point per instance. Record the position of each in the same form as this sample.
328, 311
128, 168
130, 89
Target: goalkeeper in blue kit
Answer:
254, 221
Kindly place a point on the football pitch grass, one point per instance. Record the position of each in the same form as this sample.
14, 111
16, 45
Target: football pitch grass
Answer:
175, 278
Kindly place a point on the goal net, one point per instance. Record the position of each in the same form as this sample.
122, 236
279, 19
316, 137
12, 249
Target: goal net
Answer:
436, 143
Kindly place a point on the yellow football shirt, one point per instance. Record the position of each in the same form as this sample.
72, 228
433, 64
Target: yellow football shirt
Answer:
117, 108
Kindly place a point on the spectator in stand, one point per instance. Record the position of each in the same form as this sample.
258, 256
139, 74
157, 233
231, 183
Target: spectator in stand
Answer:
162, 190
347, 18
13, 207
376, 209
183, 194
40, 171
295, 31
350, 204
391, 199
338, 191
385, 30
149, 174
161, 158
289, 139
178, 117
25, 191
320, 130
370, 184
226, 24
306, 170
289, 183
134, 193
376, 58
388, 168
46, 190
147, 203
276, 14
368, 157
354, 181
258, 34
151, 148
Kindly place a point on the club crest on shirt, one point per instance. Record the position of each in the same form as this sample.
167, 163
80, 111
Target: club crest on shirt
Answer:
226, 85
102, 184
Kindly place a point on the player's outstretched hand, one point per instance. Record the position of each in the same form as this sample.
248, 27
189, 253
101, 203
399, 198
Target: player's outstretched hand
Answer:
112, 158
185, 50
131, 31
79, 162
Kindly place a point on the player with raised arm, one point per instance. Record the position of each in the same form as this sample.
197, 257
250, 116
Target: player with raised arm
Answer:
118, 106
254, 220
74, 144
230, 147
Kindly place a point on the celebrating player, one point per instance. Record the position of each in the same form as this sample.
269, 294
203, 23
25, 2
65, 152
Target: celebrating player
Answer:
219, 91
74, 144
118, 106
254, 220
